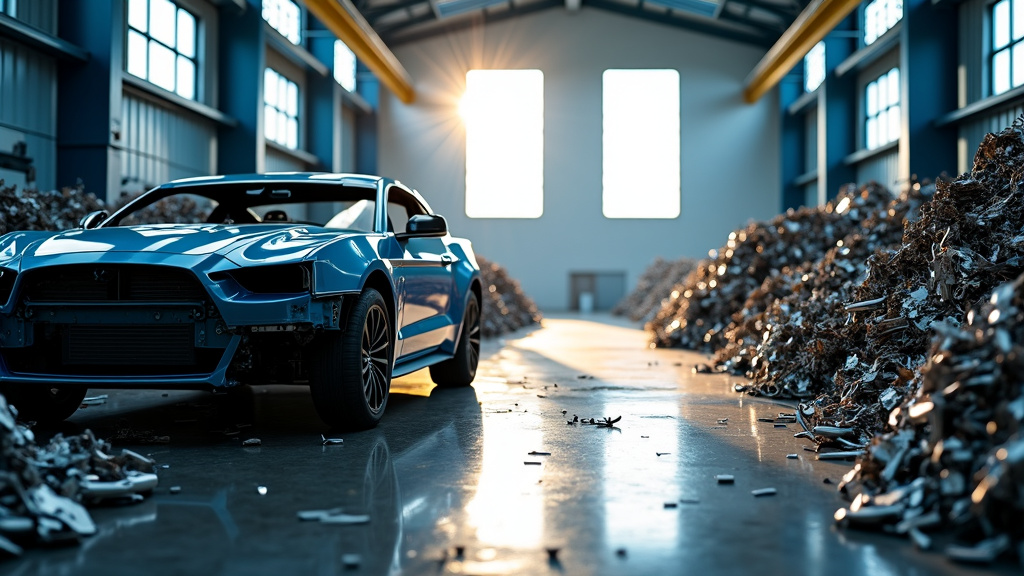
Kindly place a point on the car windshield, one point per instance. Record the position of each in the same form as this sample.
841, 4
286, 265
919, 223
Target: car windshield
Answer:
326, 205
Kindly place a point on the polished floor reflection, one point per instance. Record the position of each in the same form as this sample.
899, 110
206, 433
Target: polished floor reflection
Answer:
486, 480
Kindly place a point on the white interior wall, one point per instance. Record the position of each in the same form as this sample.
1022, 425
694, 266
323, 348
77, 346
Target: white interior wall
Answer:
729, 156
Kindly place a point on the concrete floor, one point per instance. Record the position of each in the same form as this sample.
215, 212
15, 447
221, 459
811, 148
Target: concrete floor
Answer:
451, 469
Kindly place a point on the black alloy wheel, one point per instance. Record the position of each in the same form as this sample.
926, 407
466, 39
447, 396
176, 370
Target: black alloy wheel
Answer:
350, 376
460, 370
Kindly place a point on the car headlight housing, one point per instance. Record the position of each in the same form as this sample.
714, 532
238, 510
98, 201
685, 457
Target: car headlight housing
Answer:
7, 278
275, 279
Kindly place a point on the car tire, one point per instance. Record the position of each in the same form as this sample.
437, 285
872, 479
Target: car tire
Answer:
460, 370
350, 376
44, 404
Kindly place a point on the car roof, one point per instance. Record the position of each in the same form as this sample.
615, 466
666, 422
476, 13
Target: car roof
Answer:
356, 180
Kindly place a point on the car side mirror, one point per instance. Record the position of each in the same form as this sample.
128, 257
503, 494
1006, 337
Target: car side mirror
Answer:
92, 219
425, 225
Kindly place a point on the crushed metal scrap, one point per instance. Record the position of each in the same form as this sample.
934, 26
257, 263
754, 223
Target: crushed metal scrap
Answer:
658, 280
505, 307
43, 488
850, 329
699, 311
954, 450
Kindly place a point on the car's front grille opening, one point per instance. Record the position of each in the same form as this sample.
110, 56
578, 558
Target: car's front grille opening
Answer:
128, 345
113, 350
111, 283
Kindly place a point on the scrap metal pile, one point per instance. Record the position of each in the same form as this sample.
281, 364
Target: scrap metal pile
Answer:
505, 307
32, 209
43, 488
701, 308
954, 451
904, 349
658, 280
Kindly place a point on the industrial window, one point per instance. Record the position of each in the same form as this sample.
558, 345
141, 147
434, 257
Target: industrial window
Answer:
504, 115
161, 45
640, 144
879, 17
1007, 45
280, 109
882, 105
814, 67
344, 66
285, 17
7, 7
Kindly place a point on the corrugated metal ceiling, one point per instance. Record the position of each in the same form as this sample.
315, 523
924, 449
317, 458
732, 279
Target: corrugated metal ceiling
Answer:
758, 22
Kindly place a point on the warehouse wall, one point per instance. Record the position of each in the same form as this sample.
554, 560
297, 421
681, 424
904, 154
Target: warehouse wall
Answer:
163, 143
28, 92
729, 152
974, 84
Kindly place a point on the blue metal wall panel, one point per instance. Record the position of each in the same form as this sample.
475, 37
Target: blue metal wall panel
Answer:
348, 140
280, 162
972, 51
811, 139
883, 168
39, 13
811, 194
28, 89
28, 93
161, 143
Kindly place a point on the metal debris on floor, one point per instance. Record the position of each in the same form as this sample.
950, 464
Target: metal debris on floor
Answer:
43, 488
251, 442
95, 400
333, 516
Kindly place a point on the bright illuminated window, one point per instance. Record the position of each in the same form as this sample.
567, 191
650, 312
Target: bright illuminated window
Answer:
344, 66
1007, 45
879, 17
162, 45
882, 105
285, 17
504, 115
280, 109
641, 144
814, 67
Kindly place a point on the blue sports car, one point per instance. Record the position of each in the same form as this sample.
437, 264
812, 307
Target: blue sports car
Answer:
340, 281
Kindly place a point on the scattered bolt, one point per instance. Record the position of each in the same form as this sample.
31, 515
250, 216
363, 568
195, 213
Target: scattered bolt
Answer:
763, 492
351, 561
725, 478
331, 441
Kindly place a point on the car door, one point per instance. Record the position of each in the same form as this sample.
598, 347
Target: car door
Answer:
424, 278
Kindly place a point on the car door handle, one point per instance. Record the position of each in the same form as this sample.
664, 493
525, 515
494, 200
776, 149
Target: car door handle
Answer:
446, 259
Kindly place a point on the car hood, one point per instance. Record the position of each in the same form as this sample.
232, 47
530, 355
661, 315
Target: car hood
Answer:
254, 242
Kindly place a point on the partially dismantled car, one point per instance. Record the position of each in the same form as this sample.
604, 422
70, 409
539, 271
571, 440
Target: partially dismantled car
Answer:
342, 281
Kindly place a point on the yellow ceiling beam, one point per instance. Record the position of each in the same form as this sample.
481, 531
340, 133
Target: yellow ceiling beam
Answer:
809, 28
345, 22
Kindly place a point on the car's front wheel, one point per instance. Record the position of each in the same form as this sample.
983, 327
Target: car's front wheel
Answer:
460, 370
350, 377
47, 404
